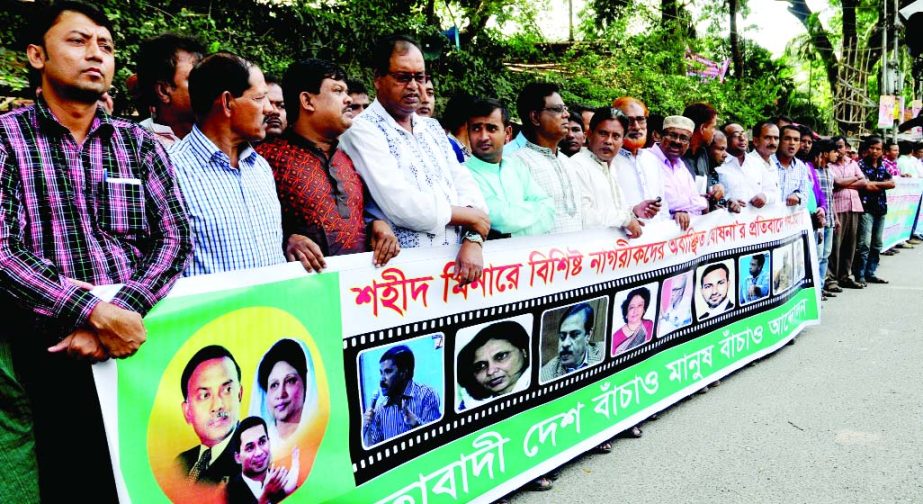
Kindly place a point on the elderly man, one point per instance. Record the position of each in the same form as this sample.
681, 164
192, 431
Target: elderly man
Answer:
518, 206
576, 350
603, 204
643, 189
401, 404
416, 182
164, 63
756, 181
276, 120
87, 200
228, 187
680, 193
544, 123
576, 137
794, 178
321, 194
848, 180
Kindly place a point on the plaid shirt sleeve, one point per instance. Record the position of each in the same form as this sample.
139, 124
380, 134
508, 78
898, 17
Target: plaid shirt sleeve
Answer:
32, 282
170, 237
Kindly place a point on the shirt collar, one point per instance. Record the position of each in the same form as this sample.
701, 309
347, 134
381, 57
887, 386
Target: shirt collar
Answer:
101, 124
217, 450
479, 165
545, 151
300, 141
657, 151
378, 109
256, 487
213, 153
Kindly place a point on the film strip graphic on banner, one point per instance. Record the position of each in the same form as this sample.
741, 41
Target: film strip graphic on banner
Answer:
475, 368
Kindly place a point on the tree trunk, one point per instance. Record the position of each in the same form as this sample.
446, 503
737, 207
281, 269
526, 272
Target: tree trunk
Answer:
736, 54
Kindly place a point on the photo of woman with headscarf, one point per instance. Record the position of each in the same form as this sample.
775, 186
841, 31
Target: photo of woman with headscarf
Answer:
495, 362
285, 395
637, 329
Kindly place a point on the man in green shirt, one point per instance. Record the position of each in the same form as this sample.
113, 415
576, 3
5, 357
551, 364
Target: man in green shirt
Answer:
518, 206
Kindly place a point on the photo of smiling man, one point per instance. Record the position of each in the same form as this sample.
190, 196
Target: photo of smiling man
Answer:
258, 481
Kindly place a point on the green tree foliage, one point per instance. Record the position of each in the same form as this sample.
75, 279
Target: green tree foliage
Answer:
649, 65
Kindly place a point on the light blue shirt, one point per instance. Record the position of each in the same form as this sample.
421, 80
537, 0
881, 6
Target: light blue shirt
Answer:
515, 144
234, 212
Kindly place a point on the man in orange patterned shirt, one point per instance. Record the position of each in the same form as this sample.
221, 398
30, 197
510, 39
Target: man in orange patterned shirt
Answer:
322, 196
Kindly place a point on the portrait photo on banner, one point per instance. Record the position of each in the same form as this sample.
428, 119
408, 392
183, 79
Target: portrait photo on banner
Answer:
573, 337
401, 387
798, 262
754, 277
782, 269
634, 317
714, 289
492, 360
244, 401
675, 303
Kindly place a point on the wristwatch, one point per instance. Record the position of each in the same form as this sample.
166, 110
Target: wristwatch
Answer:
473, 237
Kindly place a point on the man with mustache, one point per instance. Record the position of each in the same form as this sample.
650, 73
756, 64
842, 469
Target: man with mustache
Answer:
603, 203
575, 140
228, 187
407, 163
575, 348
276, 118
793, 173
544, 123
737, 144
211, 405
401, 404
756, 181
322, 196
518, 206
643, 189
680, 194
715, 283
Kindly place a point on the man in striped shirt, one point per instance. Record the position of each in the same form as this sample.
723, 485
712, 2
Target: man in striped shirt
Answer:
85, 200
402, 404
228, 187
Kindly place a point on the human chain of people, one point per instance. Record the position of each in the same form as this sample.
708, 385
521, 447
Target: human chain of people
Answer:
233, 171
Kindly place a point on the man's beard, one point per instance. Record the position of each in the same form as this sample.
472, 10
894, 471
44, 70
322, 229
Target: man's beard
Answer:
633, 144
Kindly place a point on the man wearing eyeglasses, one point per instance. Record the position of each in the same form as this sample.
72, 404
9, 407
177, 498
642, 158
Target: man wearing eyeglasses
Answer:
415, 180
755, 182
680, 193
544, 123
643, 189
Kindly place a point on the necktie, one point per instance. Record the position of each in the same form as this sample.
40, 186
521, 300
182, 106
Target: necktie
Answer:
201, 465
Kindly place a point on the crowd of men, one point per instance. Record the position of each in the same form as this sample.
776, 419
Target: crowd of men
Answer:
234, 169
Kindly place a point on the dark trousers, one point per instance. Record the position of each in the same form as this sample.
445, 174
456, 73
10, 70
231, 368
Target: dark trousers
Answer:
839, 265
70, 441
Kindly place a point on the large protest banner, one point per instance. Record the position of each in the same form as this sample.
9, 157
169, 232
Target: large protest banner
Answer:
903, 208
565, 341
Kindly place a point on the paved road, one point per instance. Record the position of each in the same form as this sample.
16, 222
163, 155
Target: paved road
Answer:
835, 418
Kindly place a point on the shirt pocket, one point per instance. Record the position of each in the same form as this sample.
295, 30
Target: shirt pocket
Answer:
123, 208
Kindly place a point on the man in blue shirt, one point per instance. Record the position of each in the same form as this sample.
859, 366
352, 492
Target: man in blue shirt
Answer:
229, 189
402, 404
756, 285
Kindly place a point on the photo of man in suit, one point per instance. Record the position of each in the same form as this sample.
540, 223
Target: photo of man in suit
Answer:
576, 348
715, 283
211, 405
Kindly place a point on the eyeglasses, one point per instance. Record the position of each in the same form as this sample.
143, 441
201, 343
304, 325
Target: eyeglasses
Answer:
676, 137
558, 109
405, 77
639, 120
